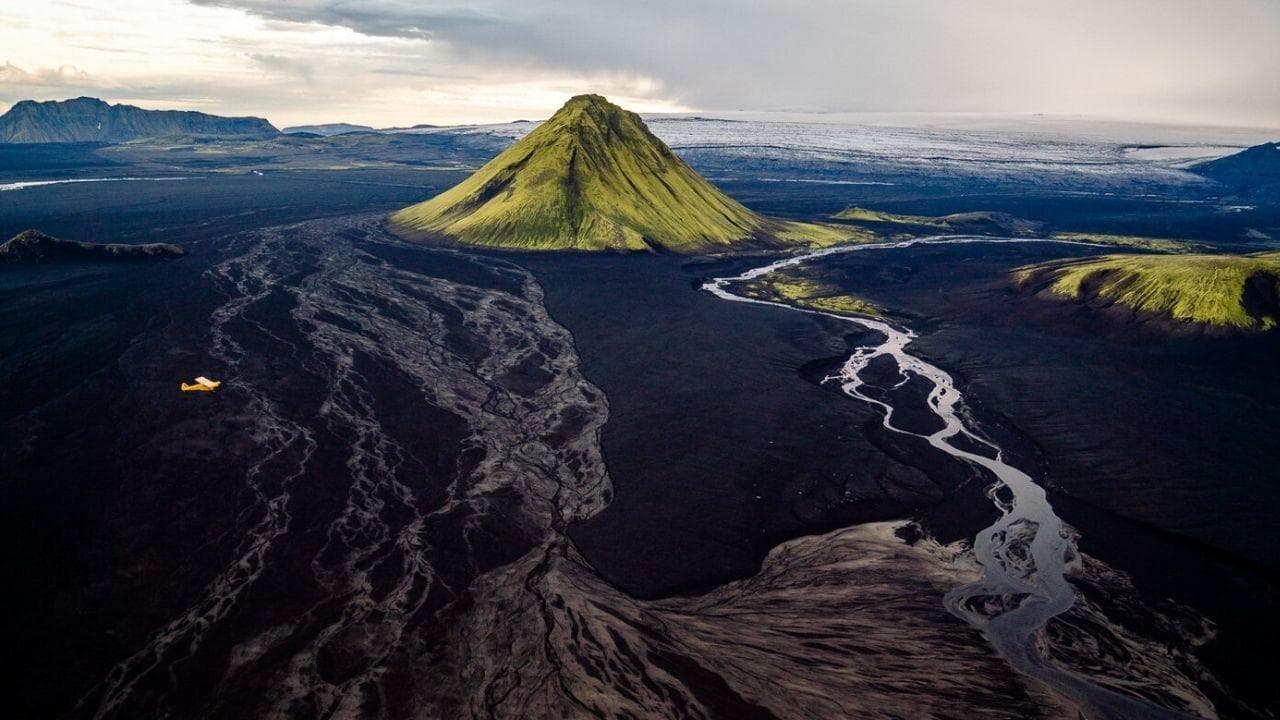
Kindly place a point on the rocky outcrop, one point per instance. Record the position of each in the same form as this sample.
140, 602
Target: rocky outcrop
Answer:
33, 246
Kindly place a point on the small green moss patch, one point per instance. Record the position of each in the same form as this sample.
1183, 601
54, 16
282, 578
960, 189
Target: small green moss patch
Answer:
861, 214
793, 288
1135, 241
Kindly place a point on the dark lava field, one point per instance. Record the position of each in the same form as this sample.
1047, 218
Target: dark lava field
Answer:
449, 484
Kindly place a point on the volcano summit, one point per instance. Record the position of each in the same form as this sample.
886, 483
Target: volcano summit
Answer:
593, 177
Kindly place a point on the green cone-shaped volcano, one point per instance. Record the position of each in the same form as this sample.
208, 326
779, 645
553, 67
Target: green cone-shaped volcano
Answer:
590, 178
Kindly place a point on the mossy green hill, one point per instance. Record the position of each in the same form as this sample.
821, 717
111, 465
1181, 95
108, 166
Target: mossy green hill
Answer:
1231, 291
593, 177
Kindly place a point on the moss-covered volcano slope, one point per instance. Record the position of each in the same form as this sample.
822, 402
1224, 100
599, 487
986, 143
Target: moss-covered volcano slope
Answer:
1228, 291
593, 177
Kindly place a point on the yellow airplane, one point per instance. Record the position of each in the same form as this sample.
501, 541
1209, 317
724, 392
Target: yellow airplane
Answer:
202, 384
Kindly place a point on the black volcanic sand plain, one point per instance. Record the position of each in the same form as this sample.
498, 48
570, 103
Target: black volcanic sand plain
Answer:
721, 440
125, 497
1160, 448
92, 354
325, 333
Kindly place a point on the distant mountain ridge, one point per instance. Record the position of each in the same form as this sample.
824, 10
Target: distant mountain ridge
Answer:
593, 177
331, 129
1251, 168
328, 129
87, 119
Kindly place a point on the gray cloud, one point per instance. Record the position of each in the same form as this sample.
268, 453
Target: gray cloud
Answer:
194, 94
64, 76
404, 61
1139, 57
384, 18
283, 64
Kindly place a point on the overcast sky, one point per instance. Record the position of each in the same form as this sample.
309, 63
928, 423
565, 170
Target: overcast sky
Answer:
400, 62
